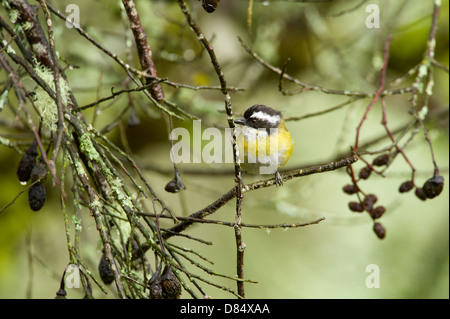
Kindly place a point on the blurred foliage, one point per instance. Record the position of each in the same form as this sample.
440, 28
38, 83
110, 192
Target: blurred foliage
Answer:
326, 45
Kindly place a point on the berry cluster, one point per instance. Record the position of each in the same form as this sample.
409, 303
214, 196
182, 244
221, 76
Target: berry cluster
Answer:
30, 169
366, 202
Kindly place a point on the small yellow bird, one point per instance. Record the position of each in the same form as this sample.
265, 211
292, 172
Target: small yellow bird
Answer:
264, 142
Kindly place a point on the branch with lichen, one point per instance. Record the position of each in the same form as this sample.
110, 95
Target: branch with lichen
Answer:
102, 188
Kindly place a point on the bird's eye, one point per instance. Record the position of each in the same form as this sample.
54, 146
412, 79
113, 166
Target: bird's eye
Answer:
252, 120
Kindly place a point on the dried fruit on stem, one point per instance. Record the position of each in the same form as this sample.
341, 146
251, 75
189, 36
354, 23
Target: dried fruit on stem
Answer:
381, 160
37, 196
350, 189
106, 273
419, 193
27, 163
406, 187
433, 187
356, 207
379, 230
365, 172
170, 283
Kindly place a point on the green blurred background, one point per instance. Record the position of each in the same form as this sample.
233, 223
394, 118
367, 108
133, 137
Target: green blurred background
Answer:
327, 46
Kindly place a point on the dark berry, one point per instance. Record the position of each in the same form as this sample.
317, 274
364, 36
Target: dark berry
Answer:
175, 185
350, 189
433, 187
369, 200
377, 212
406, 187
356, 207
61, 294
170, 283
25, 167
155, 285
27, 163
365, 172
37, 196
419, 193
105, 271
379, 230
381, 160
156, 289
171, 187
39, 171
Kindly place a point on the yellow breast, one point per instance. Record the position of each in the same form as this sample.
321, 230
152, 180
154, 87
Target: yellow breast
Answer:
258, 148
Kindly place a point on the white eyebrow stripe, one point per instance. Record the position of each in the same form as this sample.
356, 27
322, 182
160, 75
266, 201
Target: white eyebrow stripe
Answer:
272, 119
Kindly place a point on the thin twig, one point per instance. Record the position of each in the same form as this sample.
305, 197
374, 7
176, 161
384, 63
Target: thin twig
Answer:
233, 224
377, 94
240, 245
143, 48
308, 87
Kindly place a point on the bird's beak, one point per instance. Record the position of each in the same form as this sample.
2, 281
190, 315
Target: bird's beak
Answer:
240, 121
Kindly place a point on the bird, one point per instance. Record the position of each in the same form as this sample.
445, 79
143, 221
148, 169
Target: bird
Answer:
263, 142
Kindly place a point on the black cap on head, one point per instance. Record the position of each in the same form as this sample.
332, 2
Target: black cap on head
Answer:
261, 108
260, 116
